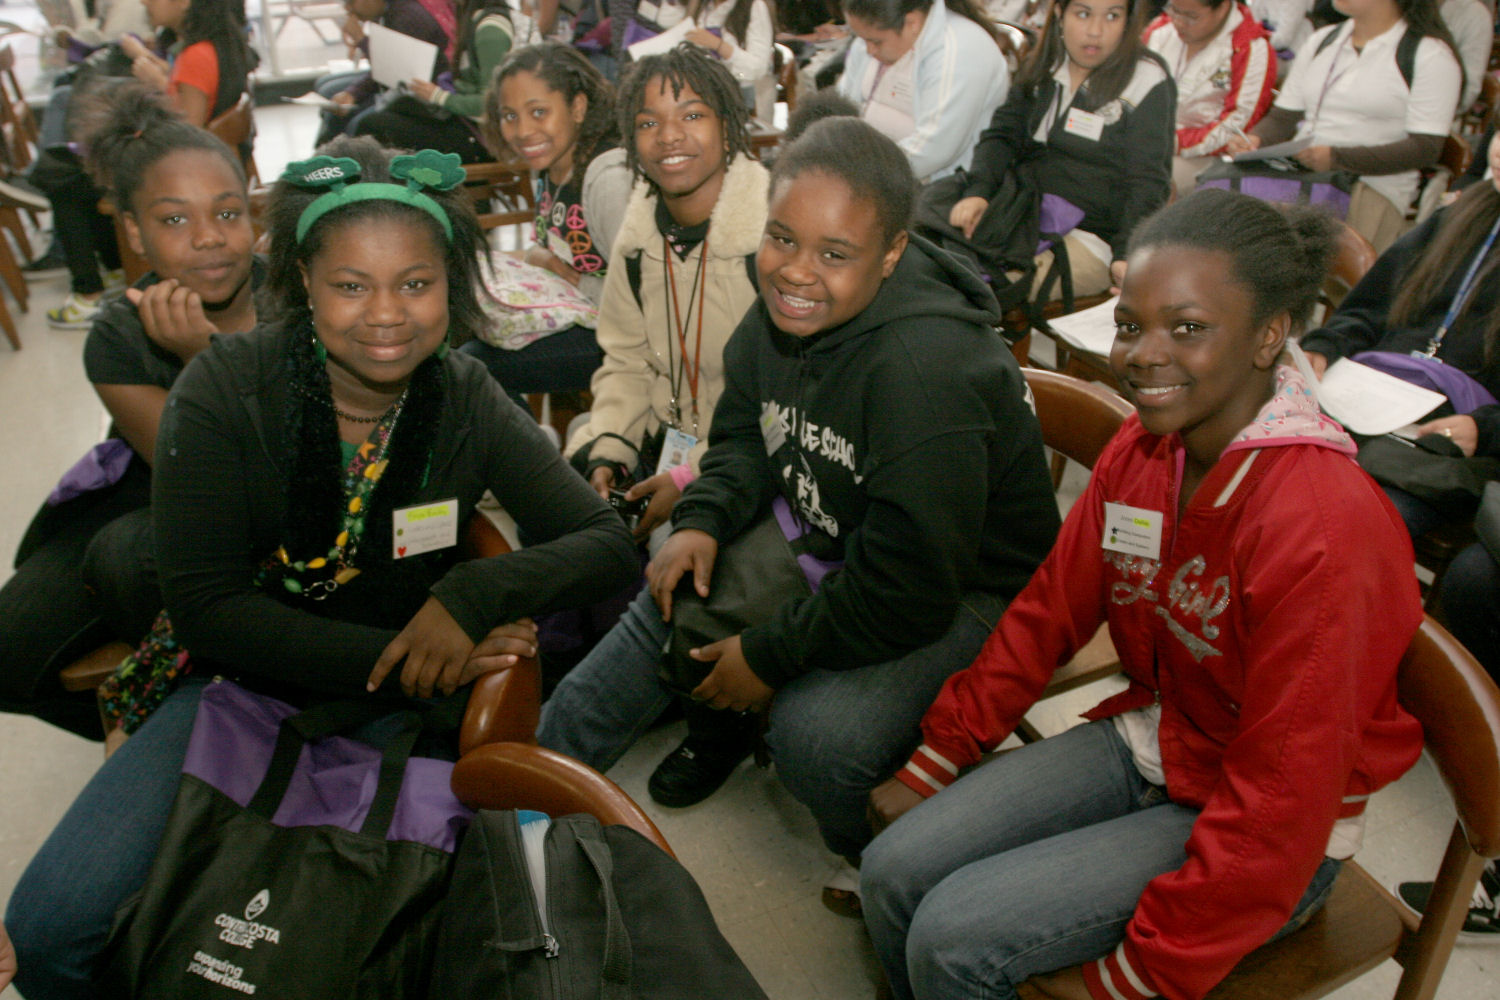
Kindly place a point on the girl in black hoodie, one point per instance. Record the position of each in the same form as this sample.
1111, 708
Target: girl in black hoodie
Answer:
867, 390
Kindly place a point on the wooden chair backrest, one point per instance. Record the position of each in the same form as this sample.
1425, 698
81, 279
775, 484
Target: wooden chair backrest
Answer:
236, 129
524, 776
505, 181
1078, 418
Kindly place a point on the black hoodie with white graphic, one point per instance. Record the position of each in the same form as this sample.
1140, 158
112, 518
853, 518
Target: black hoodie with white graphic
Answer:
904, 440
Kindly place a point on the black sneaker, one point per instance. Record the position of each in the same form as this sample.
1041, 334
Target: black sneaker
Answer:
696, 769
1482, 926
48, 265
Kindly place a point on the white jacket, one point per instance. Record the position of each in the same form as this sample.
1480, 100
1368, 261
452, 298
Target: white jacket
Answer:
961, 78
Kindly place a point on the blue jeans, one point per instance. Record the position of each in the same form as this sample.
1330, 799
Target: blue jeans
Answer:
99, 854
1471, 603
835, 734
1420, 517
1029, 864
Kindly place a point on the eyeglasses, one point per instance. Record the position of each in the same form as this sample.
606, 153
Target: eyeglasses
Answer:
1181, 16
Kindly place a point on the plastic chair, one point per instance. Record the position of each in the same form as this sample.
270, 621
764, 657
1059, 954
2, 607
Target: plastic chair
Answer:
524, 776
1078, 419
1362, 924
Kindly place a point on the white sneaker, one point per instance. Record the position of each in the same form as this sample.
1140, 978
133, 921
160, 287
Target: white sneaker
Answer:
73, 314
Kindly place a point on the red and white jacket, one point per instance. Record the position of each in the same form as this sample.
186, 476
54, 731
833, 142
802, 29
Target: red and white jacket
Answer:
1268, 629
1223, 90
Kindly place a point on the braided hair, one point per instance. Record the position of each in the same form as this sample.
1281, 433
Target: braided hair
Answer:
685, 66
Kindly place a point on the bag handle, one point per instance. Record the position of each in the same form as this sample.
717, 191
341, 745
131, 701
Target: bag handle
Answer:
330, 719
618, 969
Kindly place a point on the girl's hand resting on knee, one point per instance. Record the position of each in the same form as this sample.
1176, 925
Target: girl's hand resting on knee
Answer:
890, 800
501, 649
687, 551
435, 650
732, 684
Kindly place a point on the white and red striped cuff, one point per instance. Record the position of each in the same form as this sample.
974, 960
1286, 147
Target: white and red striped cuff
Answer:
1112, 978
928, 772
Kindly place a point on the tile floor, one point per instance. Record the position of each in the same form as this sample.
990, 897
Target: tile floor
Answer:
751, 847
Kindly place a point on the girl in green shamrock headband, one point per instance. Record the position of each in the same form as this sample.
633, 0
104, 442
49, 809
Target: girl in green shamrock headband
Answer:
312, 477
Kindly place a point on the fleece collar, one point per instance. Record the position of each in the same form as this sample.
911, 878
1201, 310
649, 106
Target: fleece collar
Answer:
735, 224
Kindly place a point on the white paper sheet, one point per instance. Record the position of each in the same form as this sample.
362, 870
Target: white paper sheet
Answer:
1280, 151
313, 99
1367, 401
1092, 329
664, 42
396, 58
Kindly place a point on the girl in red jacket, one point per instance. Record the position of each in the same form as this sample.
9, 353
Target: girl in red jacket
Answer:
1259, 589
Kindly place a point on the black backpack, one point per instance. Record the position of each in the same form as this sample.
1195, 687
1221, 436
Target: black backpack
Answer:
1006, 238
574, 911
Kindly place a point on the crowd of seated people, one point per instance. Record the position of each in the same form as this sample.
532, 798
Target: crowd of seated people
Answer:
774, 346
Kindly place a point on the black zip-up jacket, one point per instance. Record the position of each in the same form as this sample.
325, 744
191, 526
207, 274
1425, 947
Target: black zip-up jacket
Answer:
1117, 179
904, 440
1361, 322
220, 501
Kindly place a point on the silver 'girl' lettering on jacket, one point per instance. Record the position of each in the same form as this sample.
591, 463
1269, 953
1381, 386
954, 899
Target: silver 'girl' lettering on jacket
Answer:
1185, 595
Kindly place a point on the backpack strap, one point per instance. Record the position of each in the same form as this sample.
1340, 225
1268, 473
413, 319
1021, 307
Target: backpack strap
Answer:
1406, 52
1406, 55
633, 274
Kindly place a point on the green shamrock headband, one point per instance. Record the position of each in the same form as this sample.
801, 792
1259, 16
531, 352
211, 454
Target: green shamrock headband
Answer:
427, 169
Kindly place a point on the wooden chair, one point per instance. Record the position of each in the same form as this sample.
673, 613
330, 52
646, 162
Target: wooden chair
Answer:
503, 706
17, 122
1078, 419
1353, 259
1015, 44
1363, 924
236, 129
524, 776
1452, 163
785, 68
502, 193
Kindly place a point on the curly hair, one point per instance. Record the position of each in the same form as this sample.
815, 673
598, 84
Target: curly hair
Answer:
126, 130
283, 297
685, 66
565, 70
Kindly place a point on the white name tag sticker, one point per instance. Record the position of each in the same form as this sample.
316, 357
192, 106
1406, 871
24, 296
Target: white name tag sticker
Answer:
771, 429
559, 247
424, 528
1084, 123
675, 446
1134, 531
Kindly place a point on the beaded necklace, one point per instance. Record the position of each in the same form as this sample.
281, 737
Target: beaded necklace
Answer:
360, 478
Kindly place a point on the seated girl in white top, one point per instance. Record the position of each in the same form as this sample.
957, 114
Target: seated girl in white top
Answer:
1371, 105
1225, 69
928, 75
743, 34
